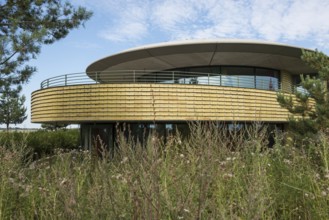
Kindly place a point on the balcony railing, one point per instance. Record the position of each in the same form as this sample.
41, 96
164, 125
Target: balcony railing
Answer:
165, 77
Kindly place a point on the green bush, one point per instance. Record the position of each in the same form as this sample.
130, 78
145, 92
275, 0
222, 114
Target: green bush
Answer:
42, 142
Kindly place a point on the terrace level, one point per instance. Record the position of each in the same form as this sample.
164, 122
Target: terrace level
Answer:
245, 95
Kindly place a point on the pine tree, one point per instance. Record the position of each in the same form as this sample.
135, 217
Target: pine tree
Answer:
310, 105
26, 25
12, 110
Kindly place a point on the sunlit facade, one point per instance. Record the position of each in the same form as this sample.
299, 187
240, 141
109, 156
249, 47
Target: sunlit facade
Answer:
164, 86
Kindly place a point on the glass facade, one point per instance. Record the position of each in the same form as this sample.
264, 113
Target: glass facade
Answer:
99, 136
233, 76
103, 138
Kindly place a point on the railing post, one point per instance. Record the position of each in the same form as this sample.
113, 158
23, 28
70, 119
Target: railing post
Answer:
173, 77
65, 80
208, 78
47, 83
220, 79
96, 77
134, 76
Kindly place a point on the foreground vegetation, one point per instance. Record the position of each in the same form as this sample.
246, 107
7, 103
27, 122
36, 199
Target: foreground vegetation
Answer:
42, 142
214, 174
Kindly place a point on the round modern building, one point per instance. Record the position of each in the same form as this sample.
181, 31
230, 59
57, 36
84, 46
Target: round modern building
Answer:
163, 86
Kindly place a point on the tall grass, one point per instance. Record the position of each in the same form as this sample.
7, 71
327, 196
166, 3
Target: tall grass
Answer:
213, 174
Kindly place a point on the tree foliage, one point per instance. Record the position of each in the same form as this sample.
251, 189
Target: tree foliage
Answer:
54, 126
26, 25
309, 105
12, 110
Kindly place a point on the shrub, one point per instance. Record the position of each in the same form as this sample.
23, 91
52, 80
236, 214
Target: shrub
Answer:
42, 142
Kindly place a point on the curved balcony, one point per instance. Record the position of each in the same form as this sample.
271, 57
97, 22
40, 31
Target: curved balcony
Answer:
101, 103
166, 77
157, 96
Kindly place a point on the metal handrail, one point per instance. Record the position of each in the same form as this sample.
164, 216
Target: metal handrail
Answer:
167, 77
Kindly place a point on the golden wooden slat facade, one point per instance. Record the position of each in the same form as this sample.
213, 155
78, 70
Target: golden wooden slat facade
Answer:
154, 102
286, 82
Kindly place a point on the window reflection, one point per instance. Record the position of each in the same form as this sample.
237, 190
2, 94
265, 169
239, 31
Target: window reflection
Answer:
234, 76
296, 79
102, 138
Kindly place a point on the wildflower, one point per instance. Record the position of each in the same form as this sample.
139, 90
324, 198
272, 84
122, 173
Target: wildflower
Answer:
64, 182
228, 175
124, 160
286, 161
186, 210
118, 176
42, 189
28, 188
309, 195
181, 155
222, 164
11, 180
324, 193
317, 176
124, 181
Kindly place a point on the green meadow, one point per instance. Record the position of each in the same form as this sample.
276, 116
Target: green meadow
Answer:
212, 174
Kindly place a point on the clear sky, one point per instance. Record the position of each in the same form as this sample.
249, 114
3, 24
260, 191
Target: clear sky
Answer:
122, 24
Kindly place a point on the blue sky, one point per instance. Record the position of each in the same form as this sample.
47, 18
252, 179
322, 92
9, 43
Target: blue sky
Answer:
120, 25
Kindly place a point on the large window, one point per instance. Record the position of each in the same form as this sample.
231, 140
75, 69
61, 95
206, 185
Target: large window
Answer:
103, 138
234, 76
98, 138
266, 79
238, 77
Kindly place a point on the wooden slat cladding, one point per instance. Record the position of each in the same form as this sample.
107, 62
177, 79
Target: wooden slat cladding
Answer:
154, 102
286, 82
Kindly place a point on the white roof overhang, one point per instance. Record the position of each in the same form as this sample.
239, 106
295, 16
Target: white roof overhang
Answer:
165, 56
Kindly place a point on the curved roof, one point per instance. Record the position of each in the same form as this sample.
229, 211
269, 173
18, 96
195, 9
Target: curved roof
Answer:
171, 55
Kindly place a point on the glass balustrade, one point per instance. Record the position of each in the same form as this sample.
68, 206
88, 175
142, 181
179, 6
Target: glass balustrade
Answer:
231, 76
